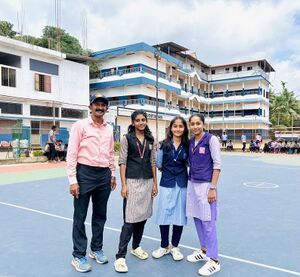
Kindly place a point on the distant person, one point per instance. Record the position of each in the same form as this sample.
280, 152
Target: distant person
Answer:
296, 147
46, 151
266, 148
90, 168
59, 148
51, 143
229, 146
244, 141
258, 139
66, 150
224, 139
252, 146
290, 147
283, 147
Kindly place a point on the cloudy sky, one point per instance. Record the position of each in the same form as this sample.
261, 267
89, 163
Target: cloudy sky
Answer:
220, 31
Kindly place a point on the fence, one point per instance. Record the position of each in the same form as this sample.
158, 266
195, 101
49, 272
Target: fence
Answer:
285, 133
18, 140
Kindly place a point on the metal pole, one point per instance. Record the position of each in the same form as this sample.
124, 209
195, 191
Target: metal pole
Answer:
234, 108
223, 113
157, 55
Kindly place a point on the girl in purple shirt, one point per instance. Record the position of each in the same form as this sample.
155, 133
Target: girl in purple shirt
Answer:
205, 166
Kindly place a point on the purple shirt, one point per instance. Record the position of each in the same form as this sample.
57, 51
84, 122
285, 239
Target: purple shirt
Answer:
205, 156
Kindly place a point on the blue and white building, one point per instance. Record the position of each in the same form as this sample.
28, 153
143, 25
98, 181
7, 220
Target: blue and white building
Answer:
39, 88
233, 97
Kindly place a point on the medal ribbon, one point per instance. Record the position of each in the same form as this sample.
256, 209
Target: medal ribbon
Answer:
144, 149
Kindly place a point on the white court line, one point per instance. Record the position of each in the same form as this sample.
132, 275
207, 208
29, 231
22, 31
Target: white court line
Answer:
155, 239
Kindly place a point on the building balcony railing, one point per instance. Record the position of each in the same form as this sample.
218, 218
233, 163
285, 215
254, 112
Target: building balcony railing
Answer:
142, 102
134, 69
234, 93
135, 102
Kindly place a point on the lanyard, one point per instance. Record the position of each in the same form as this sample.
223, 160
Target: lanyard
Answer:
180, 149
198, 143
144, 149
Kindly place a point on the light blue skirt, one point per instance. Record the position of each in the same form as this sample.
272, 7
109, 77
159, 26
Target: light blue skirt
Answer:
171, 207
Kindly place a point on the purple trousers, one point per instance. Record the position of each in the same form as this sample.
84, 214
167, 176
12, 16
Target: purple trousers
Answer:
207, 232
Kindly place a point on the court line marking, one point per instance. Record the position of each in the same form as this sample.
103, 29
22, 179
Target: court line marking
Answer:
260, 185
156, 239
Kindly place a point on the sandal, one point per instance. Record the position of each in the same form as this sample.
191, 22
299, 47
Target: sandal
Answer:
140, 253
120, 265
176, 254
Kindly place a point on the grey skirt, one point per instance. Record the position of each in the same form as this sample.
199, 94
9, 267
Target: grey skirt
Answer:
139, 204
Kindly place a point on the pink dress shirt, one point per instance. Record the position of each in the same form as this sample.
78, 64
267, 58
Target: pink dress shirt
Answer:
90, 144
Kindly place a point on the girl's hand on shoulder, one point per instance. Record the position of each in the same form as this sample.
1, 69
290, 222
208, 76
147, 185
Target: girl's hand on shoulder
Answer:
124, 191
154, 190
212, 195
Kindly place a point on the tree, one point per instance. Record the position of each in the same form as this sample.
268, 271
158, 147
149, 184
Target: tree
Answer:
58, 39
6, 29
284, 108
29, 39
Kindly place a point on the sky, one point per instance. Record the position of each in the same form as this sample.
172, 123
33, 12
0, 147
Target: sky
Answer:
219, 31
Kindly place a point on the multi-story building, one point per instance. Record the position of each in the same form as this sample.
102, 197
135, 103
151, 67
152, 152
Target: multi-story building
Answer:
39, 88
233, 97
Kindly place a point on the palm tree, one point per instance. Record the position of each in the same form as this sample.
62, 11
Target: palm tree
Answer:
284, 107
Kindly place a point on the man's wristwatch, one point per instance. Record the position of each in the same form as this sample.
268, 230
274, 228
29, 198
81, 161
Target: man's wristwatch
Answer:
213, 187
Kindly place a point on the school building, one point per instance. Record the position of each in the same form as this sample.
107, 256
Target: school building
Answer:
39, 88
233, 97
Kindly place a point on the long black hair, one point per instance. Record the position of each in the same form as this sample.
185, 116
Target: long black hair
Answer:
185, 135
147, 132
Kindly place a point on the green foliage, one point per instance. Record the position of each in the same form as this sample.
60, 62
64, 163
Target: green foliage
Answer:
284, 107
94, 67
38, 153
53, 38
68, 44
117, 146
29, 39
6, 29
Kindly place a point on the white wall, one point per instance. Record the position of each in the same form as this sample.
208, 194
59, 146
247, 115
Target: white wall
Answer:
70, 87
75, 83
138, 57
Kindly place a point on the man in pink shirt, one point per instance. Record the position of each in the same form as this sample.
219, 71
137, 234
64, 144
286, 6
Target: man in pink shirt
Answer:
90, 167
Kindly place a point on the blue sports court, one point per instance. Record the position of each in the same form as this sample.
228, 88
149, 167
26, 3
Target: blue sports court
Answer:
258, 226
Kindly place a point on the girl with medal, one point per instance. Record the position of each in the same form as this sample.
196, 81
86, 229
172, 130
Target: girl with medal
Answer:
205, 166
172, 159
139, 186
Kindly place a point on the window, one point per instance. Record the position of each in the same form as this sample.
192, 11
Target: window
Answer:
73, 113
239, 68
235, 69
11, 108
42, 110
42, 82
48, 68
10, 60
35, 127
227, 70
8, 77
213, 71
249, 67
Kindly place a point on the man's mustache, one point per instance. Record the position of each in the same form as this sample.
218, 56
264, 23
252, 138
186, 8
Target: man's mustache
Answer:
100, 110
